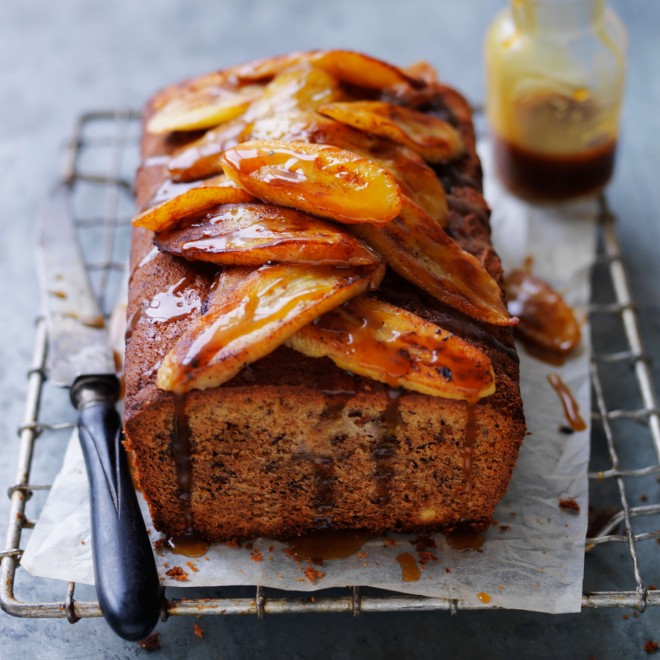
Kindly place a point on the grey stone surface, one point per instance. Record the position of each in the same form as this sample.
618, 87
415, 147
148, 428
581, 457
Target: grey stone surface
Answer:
60, 58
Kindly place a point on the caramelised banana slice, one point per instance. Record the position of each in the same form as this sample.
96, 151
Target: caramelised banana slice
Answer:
315, 178
346, 65
253, 234
170, 213
201, 159
203, 108
421, 252
252, 313
372, 338
303, 87
432, 138
416, 179
361, 70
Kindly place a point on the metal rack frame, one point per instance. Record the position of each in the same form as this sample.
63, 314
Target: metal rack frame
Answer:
33, 429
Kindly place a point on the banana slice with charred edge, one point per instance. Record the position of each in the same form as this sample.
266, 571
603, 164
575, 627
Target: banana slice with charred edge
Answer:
170, 213
203, 108
253, 234
252, 313
315, 178
432, 138
414, 176
421, 252
372, 338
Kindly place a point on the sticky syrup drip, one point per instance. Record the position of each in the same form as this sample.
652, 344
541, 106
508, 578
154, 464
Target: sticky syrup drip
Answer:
568, 402
181, 451
409, 569
384, 448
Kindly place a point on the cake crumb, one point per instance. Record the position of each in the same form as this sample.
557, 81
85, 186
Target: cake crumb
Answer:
362, 555
150, 643
192, 567
159, 544
422, 543
177, 573
392, 542
652, 587
426, 556
505, 528
271, 548
566, 430
256, 556
447, 570
569, 504
644, 498
198, 630
651, 646
625, 617
313, 575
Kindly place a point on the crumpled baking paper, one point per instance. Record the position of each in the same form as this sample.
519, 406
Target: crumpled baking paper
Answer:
533, 559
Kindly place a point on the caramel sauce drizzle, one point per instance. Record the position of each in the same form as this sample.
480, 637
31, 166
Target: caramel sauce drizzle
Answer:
568, 402
384, 448
469, 442
166, 306
181, 451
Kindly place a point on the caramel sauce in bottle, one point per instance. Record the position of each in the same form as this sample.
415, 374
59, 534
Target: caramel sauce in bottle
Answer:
538, 176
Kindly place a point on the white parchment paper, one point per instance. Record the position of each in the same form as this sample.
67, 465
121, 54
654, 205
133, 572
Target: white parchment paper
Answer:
533, 559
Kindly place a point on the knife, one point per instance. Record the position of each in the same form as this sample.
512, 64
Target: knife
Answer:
79, 356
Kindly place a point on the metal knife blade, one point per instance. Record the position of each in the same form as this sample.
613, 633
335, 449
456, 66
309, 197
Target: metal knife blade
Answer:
125, 572
78, 342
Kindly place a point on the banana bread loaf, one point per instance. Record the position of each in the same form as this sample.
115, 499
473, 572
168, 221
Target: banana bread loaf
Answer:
296, 442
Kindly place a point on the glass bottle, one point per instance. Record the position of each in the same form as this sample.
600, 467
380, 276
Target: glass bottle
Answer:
555, 71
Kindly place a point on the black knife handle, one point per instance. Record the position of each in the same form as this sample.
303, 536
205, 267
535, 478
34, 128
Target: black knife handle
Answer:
127, 582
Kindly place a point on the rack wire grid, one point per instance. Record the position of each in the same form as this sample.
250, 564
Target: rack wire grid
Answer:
100, 161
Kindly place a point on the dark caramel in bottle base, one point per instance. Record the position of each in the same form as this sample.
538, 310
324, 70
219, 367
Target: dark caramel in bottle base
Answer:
552, 178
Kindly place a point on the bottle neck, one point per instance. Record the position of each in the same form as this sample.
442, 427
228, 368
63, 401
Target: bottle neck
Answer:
556, 15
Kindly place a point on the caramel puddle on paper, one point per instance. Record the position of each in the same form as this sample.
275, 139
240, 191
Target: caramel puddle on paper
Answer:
328, 545
188, 546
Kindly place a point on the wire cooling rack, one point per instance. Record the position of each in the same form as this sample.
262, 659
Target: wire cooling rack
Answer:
100, 161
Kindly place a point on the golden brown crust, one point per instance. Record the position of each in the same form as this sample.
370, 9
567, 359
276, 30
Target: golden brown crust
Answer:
293, 443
